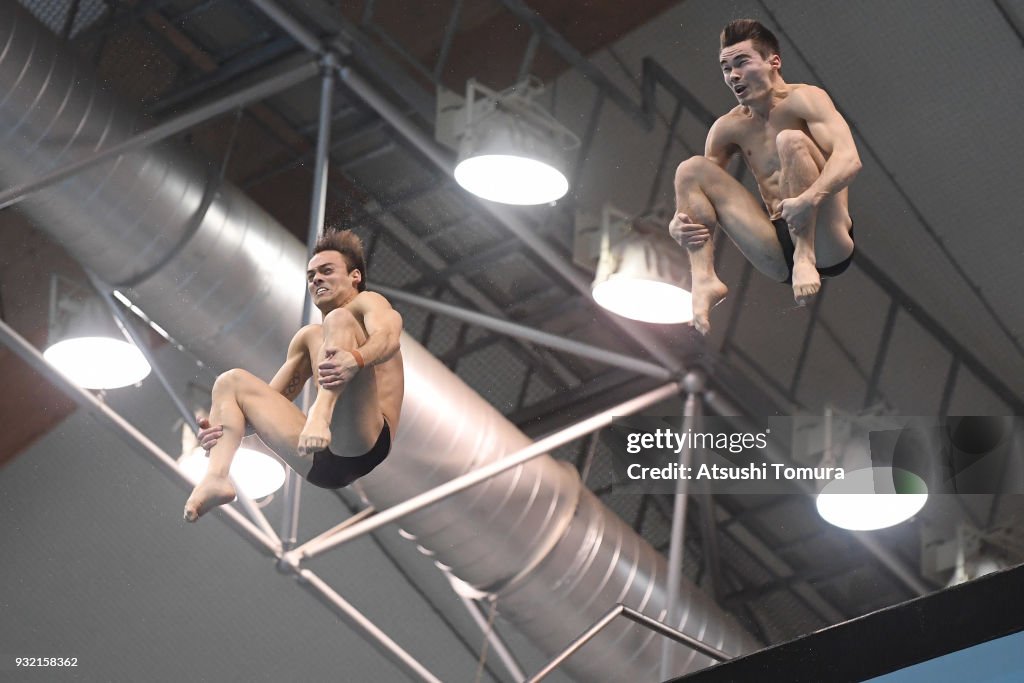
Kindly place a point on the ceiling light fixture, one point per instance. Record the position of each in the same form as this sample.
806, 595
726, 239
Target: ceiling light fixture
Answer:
511, 150
87, 345
866, 500
880, 488
641, 272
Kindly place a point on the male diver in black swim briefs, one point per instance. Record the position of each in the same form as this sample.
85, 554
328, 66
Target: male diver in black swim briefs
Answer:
355, 360
802, 155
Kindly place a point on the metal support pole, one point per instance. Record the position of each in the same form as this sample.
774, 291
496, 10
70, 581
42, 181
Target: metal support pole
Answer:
323, 147
291, 498
446, 42
321, 169
130, 434
634, 616
693, 383
495, 641
589, 461
104, 290
511, 329
314, 543
254, 511
486, 472
709, 544
369, 630
300, 33
528, 55
241, 98
292, 495
575, 645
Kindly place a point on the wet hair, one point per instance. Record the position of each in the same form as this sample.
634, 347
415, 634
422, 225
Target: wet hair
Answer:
738, 30
348, 244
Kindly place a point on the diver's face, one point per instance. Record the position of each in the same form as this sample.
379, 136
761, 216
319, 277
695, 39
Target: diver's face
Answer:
746, 72
329, 281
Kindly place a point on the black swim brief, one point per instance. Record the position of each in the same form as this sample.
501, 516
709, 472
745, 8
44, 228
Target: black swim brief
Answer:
332, 471
786, 242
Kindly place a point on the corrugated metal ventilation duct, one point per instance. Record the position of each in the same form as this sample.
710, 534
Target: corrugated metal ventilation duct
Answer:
223, 277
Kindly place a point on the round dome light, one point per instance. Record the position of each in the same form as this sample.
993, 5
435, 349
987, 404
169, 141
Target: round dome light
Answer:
645, 300
851, 503
98, 362
511, 179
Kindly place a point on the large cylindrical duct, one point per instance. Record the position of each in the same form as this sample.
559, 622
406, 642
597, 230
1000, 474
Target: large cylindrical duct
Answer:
224, 278
206, 261
555, 558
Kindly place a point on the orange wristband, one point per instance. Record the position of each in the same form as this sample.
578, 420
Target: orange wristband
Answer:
359, 358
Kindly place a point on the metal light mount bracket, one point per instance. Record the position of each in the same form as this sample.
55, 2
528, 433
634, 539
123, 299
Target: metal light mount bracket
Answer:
483, 106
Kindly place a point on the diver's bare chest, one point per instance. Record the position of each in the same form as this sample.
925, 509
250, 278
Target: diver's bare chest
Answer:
759, 152
756, 141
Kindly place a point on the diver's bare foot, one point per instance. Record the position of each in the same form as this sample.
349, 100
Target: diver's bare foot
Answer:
208, 494
706, 295
806, 281
315, 436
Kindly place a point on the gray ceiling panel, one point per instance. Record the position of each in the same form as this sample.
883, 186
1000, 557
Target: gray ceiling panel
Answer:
914, 376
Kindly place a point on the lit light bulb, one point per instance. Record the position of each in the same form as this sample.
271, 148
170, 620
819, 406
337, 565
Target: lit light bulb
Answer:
98, 362
851, 503
645, 300
511, 179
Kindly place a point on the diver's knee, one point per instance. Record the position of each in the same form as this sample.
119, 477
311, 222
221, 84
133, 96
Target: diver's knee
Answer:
790, 141
231, 380
339, 319
693, 169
